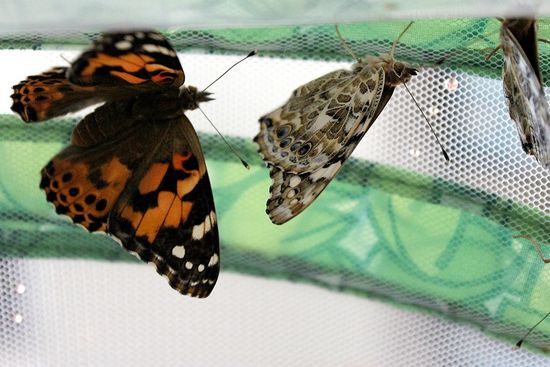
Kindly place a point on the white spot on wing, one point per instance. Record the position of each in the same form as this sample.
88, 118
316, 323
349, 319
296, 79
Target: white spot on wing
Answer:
179, 251
123, 45
200, 268
207, 224
156, 36
189, 265
213, 260
294, 181
200, 230
156, 48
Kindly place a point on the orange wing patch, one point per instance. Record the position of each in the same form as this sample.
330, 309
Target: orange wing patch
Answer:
84, 195
129, 62
133, 68
169, 210
186, 185
152, 179
49, 94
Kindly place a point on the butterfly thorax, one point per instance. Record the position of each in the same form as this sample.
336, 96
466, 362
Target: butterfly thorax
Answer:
168, 104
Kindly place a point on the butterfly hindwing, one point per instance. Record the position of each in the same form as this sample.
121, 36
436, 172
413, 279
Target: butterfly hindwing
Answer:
86, 178
44, 96
146, 184
142, 60
84, 186
523, 87
167, 216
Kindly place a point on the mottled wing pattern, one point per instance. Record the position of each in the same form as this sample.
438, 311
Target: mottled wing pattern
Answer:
144, 60
320, 120
307, 140
146, 184
44, 96
525, 94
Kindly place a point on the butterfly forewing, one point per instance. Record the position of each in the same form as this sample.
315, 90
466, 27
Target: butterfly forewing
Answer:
166, 214
47, 95
139, 59
523, 88
313, 127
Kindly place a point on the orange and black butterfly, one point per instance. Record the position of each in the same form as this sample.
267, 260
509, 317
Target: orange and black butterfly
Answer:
134, 167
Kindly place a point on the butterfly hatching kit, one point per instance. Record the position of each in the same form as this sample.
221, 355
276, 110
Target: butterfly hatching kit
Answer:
134, 167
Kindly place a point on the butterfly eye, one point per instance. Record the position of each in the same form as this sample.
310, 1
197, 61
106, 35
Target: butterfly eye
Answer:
304, 149
283, 131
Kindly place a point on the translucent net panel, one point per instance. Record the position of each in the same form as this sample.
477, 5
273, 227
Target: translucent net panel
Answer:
113, 314
397, 222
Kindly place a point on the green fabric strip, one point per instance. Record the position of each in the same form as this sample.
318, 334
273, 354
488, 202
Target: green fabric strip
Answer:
463, 44
376, 231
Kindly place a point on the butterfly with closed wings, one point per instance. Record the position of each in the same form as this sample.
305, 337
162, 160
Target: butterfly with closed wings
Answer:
306, 141
134, 167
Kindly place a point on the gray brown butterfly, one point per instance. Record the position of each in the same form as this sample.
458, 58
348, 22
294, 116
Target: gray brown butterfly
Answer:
523, 87
306, 141
134, 167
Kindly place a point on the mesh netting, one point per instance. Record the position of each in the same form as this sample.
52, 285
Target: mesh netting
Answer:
397, 223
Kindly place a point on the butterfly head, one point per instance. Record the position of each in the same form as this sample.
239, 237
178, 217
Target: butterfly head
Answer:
397, 72
191, 97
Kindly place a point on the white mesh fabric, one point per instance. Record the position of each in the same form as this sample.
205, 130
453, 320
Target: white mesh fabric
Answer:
90, 313
99, 314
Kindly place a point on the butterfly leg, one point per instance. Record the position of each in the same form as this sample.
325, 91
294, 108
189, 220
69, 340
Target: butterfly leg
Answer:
537, 246
492, 53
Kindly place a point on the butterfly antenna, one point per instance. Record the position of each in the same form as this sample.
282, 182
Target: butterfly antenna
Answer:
425, 118
65, 59
520, 342
345, 44
245, 164
537, 246
392, 50
250, 54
